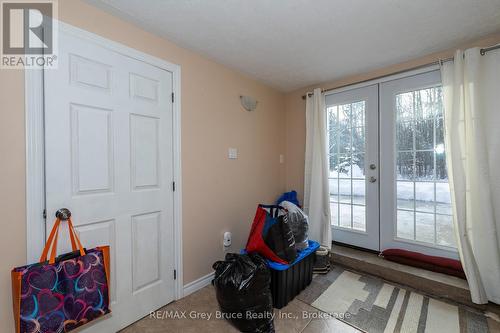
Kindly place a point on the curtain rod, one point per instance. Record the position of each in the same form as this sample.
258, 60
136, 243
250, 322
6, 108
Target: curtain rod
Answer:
438, 62
487, 49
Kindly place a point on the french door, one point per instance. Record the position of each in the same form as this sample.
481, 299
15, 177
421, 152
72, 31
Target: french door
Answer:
352, 120
416, 208
388, 180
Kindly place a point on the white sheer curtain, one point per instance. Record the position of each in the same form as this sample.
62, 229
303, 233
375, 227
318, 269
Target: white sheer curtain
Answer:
471, 86
316, 192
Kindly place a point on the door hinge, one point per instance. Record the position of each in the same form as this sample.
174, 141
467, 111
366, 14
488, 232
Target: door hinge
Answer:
173, 186
44, 214
175, 274
172, 97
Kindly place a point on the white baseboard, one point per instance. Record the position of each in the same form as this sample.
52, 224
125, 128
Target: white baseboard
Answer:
196, 285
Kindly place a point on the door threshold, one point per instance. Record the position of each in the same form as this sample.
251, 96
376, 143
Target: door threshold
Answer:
354, 247
432, 283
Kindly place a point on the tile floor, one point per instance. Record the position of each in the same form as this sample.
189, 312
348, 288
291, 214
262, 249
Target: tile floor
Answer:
297, 316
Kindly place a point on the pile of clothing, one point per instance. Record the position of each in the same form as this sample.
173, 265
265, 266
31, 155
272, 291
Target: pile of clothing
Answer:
242, 282
272, 235
299, 223
280, 230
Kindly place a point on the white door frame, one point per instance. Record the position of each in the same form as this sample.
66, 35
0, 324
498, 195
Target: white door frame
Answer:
35, 154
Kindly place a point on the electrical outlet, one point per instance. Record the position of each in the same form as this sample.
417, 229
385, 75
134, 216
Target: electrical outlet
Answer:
227, 239
226, 242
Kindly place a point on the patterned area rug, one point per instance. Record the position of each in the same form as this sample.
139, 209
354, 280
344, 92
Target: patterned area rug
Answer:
374, 306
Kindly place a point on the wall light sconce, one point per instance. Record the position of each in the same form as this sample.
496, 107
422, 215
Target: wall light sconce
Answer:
248, 102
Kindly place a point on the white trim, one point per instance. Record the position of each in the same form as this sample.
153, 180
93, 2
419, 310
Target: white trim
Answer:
35, 176
118, 47
35, 163
409, 73
176, 133
197, 284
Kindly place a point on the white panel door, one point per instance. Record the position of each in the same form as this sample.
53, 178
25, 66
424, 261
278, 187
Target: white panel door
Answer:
352, 121
109, 159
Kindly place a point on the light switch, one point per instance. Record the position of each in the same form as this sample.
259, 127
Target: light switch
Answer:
232, 153
282, 158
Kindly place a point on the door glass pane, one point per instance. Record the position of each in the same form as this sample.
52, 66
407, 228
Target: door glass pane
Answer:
404, 104
424, 134
404, 133
345, 114
424, 227
424, 165
424, 197
358, 140
345, 190
422, 190
345, 216
334, 210
358, 114
441, 173
440, 134
334, 189
445, 234
358, 217
443, 199
405, 226
405, 166
406, 195
358, 166
343, 167
358, 192
346, 136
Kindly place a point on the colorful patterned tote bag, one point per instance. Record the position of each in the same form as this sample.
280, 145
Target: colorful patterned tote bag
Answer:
64, 292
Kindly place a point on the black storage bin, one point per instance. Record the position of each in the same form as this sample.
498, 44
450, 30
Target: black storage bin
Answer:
287, 281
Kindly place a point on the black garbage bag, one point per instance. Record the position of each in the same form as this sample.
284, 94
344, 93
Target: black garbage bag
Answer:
242, 284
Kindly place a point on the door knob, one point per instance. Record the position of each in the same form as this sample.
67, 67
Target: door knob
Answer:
63, 214
373, 166
373, 179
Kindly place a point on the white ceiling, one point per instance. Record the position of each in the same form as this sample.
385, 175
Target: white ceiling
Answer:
290, 44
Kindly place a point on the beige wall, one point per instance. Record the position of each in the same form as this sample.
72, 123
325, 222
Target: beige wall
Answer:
218, 194
295, 108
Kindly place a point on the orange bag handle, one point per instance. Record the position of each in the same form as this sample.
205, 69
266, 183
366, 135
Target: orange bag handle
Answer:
51, 243
73, 236
55, 229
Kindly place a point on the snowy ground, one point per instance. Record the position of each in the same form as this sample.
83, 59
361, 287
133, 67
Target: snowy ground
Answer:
423, 230
415, 217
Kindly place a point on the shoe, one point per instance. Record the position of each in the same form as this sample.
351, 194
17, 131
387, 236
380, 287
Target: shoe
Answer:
322, 261
321, 270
